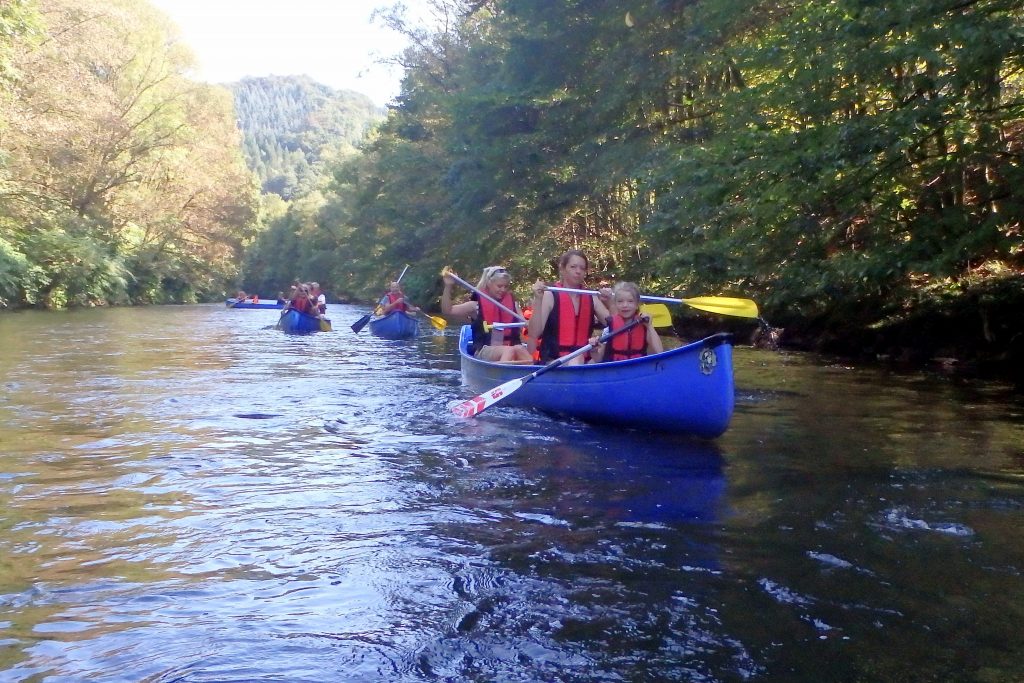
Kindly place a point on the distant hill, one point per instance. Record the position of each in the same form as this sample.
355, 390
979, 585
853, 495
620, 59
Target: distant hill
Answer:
292, 124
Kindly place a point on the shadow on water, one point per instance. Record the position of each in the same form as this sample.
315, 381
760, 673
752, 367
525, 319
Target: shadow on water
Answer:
597, 541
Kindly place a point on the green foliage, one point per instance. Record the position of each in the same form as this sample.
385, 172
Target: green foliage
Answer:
121, 181
843, 163
18, 22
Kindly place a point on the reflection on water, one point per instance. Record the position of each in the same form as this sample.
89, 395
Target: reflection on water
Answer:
187, 495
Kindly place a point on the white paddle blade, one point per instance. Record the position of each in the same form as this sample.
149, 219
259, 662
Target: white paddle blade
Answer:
479, 404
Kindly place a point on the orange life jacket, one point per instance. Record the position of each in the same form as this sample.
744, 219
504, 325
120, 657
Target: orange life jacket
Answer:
566, 330
632, 344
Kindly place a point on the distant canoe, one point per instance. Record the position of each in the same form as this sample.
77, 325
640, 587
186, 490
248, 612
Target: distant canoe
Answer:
395, 325
248, 303
294, 322
685, 390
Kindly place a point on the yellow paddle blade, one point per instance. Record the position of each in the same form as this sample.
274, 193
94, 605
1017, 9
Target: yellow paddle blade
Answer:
724, 305
659, 314
438, 323
325, 325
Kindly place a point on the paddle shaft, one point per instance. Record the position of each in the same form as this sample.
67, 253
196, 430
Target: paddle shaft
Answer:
744, 308
485, 295
501, 326
643, 297
478, 404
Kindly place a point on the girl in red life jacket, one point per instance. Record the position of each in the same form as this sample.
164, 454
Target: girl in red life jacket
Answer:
395, 300
563, 322
499, 346
639, 341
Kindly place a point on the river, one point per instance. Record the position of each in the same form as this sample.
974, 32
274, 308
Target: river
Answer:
189, 495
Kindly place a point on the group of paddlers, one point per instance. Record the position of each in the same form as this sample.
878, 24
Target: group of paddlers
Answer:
305, 297
556, 323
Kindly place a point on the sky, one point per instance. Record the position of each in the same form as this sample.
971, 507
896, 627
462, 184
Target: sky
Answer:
332, 41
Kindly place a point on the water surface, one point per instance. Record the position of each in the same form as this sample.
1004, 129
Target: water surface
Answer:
189, 495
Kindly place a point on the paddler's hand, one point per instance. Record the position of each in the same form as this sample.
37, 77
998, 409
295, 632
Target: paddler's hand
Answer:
605, 295
539, 287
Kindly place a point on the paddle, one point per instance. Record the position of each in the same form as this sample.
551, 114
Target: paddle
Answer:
447, 271
724, 305
501, 326
479, 404
658, 313
438, 323
361, 323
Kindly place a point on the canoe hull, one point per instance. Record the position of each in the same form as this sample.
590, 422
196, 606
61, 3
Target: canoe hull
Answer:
395, 325
685, 390
271, 304
294, 322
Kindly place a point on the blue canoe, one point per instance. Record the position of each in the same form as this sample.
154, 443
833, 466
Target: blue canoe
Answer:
294, 322
395, 325
268, 304
686, 390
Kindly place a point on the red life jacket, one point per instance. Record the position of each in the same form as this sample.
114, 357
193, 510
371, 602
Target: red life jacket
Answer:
632, 344
301, 304
492, 314
392, 298
565, 329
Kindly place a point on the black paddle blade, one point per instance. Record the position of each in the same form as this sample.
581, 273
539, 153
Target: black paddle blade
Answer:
361, 323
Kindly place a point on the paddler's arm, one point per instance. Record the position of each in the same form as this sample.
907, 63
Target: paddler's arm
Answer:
543, 302
467, 309
654, 344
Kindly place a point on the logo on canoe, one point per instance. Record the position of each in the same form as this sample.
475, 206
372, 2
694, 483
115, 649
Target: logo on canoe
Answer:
708, 361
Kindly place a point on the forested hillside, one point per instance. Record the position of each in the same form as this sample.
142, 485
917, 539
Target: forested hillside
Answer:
292, 125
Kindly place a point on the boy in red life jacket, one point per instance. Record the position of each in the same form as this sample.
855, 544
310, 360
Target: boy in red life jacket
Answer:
639, 341
498, 346
396, 300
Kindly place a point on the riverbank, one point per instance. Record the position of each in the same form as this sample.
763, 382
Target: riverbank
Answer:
979, 336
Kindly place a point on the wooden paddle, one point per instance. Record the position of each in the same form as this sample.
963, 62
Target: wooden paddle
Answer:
479, 404
361, 323
724, 305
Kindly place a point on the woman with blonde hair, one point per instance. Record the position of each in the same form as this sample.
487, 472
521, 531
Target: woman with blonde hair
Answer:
502, 345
